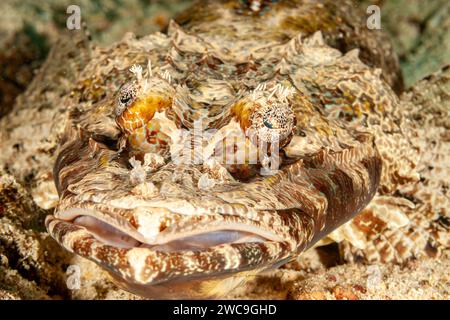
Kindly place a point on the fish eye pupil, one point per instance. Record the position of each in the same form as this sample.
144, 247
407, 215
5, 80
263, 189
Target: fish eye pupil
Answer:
267, 124
125, 99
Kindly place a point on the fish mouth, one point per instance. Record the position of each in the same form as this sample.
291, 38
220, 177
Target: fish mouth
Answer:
189, 254
122, 234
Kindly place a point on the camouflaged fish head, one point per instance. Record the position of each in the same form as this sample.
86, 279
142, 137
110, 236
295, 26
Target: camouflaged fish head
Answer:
194, 160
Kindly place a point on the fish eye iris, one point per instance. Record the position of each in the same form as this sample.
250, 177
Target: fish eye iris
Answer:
126, 96
274, 122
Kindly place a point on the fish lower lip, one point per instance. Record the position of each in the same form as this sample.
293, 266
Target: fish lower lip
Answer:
110, 235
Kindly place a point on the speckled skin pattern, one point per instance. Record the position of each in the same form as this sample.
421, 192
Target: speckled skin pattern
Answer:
347, 145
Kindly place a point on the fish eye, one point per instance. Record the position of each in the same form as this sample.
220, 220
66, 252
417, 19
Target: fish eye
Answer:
277, 117
127, 95
274, 122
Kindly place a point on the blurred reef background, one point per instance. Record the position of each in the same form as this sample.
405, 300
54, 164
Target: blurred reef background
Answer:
28, 28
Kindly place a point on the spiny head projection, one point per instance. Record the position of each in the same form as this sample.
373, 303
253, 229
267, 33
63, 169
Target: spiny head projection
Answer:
233, 159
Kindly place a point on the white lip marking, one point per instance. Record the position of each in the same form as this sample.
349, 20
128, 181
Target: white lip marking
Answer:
137, 258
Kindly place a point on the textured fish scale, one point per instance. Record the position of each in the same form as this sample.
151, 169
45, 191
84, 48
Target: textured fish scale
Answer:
413, 219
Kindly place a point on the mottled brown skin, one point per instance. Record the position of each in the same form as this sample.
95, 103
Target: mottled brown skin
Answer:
352, 141
342, 23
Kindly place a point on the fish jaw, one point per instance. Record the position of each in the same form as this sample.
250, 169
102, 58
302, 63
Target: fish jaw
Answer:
166, 273
160, 259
